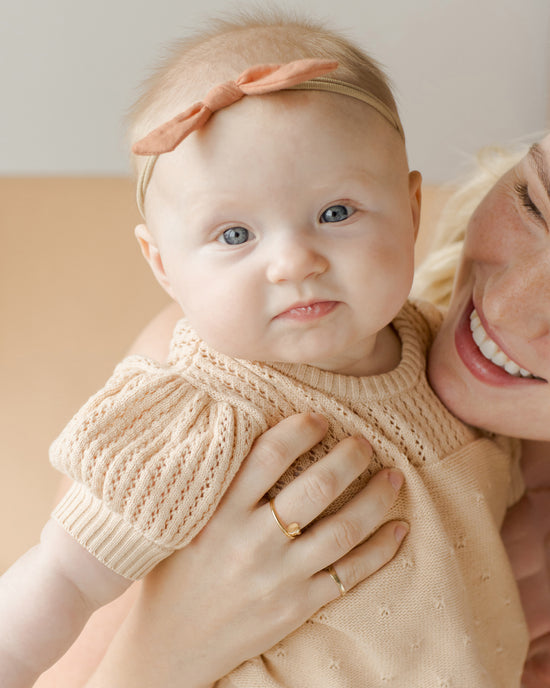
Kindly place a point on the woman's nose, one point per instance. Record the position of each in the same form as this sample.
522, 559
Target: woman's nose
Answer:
295, 260
517, 299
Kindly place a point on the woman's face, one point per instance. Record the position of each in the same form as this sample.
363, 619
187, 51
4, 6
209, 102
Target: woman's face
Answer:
490, 363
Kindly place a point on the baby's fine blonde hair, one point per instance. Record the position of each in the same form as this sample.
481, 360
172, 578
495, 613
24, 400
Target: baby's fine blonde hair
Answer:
435, 276
229, 46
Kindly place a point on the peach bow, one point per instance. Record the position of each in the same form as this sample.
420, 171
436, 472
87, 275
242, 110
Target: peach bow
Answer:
254, 81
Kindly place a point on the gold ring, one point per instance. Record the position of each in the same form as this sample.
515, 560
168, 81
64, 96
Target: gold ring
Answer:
332, 573
292, 530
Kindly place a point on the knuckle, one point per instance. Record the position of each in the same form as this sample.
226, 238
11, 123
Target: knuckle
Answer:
243, 561
270, 451
320, 486
347, 534
262, 584
287, 614
279, 445
352, 573
275, 596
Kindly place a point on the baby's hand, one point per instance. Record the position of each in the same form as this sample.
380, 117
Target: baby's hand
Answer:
46, 598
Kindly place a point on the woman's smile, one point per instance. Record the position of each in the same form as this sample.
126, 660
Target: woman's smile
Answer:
483, 357
491, 350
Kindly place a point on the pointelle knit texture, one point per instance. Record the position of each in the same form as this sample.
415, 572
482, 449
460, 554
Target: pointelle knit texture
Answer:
152, 453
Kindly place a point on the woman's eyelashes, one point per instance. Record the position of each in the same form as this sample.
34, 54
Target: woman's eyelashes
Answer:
522, 191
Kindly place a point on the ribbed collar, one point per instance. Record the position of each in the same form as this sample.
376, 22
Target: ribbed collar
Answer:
414, 345
194, 357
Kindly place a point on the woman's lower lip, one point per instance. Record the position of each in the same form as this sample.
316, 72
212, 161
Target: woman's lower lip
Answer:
479, 366
313, 311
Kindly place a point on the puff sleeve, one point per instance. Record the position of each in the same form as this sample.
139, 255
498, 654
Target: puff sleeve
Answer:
150, 456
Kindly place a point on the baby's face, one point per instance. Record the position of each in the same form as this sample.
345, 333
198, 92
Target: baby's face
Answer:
286, 228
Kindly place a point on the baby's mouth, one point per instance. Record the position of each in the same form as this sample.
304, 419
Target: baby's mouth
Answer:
492, 351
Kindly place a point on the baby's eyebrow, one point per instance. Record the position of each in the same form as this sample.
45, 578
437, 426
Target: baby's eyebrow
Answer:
539, 161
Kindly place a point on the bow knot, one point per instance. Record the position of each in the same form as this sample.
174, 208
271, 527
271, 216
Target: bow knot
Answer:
256, 80
223, 95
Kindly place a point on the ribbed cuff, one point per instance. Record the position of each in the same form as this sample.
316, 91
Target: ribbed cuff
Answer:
110, 539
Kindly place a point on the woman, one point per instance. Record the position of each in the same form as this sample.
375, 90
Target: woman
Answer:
240, 606
498, 363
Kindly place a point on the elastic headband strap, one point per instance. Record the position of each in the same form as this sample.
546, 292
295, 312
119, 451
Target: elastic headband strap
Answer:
301, 75
343, 88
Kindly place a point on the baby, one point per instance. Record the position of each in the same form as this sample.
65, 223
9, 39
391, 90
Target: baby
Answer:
280, 213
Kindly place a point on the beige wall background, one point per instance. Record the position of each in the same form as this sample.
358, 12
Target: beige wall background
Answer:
74, 290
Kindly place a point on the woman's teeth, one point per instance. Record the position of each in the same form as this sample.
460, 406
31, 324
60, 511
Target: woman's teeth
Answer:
491, 351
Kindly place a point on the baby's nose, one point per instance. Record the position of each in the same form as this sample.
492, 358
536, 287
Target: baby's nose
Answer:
295, 261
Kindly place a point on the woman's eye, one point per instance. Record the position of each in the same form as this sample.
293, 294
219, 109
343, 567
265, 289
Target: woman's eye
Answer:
523, 194
337, 213
235, 235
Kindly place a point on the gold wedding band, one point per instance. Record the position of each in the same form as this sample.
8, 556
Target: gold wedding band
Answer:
332, 573
292, 530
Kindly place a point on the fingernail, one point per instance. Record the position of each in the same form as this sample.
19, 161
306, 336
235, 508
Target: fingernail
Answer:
366, 444
401, 529
396, 479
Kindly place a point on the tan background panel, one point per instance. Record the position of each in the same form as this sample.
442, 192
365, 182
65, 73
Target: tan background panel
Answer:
75, 292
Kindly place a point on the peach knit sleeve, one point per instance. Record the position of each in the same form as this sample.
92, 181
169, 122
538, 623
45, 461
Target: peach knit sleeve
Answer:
150, 457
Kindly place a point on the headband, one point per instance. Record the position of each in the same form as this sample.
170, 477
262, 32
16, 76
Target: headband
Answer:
300, 75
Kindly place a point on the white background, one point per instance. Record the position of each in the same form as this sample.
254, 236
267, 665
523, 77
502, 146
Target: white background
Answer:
466, 73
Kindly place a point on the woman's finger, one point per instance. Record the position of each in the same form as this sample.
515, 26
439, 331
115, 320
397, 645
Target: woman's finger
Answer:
360, 563
272, 453
336, 535
315, 489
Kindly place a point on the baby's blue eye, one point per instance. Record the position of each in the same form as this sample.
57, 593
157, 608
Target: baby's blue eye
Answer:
337, 213
235, 235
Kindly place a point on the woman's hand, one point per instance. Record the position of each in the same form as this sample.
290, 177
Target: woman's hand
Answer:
526, 534
242, 584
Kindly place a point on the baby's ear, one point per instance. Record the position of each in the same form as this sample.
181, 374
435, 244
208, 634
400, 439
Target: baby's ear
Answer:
151, 254
415, 195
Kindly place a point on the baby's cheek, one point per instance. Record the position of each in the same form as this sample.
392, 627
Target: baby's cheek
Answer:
225, 323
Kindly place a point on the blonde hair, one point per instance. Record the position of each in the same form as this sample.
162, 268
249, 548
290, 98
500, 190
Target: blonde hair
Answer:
434, 278
229, 46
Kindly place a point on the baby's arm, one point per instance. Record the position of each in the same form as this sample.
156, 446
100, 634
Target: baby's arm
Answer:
46, 598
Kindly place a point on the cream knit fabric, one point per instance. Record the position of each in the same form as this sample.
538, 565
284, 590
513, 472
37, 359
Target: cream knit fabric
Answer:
152, 453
